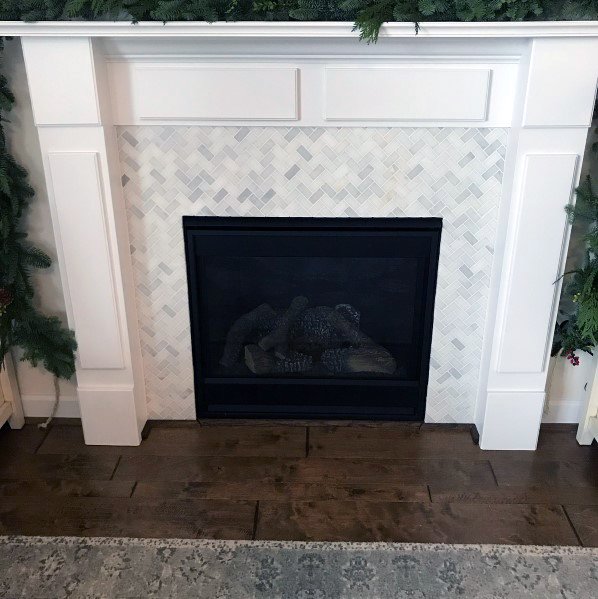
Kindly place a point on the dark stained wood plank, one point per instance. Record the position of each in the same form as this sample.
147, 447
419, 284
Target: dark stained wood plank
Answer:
69, 440
56, 466
414, 522
243, 441
515, 494
585, 522
249, 490
66, 488
192, 440
397, 442
561, 443
127, 517
436, 441
553, 444
320, 471
517, 472
25, 440
362, 481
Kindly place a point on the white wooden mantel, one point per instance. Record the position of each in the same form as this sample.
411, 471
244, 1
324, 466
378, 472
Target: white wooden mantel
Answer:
538, 79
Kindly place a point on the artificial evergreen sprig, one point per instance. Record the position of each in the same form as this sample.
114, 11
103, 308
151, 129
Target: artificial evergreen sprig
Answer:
579, 331
42, 338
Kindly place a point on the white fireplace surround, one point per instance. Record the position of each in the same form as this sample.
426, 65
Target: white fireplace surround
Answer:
538, 80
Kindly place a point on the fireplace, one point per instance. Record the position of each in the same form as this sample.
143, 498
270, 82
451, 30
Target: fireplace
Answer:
311, 317
297, 133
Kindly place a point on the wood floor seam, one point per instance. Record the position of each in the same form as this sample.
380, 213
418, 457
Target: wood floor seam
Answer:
115, 467
133, 488
493, 473
579, 540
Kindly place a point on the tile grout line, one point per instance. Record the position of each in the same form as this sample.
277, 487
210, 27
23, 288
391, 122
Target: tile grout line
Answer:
255, 519
572, 525
115, 467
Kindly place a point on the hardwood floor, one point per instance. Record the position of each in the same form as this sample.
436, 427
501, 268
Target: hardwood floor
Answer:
357, 482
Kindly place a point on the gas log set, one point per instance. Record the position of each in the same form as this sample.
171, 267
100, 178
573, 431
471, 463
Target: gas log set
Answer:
305, 340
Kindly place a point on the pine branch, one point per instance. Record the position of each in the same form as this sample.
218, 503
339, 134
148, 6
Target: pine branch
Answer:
42, 338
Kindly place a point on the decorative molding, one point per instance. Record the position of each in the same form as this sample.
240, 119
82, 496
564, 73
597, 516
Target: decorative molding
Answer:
546, 186
79, 199
92, 243
406, 93
514, 377
314, 29
330, 94
126, 54
214, 92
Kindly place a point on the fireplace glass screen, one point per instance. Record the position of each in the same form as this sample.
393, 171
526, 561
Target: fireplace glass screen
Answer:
311, 317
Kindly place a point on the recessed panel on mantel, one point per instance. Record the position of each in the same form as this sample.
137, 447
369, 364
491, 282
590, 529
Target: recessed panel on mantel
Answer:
547, 185
190, 92
405, 93
79, 201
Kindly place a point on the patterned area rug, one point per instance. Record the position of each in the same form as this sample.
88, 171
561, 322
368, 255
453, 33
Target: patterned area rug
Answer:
37, 567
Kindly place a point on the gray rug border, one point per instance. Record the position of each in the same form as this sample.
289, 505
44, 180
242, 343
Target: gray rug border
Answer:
303, 545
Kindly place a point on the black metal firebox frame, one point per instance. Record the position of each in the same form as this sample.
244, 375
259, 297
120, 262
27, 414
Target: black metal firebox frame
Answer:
223, 397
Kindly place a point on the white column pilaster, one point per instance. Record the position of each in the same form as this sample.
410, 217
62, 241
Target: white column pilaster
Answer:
557, 88
72, 114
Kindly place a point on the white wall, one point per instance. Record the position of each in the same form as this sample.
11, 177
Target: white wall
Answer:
35, 384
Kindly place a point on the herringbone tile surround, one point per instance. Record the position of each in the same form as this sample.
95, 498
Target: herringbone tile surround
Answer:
169, 171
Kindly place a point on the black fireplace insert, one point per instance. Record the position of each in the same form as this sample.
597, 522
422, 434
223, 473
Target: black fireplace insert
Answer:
326, 318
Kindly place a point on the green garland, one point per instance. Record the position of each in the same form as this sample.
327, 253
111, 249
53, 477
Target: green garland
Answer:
42, 338
578, 331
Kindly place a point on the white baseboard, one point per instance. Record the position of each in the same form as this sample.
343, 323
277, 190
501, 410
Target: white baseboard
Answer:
40, 406
562, 411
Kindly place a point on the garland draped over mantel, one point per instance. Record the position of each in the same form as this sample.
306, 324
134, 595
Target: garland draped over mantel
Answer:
42, 338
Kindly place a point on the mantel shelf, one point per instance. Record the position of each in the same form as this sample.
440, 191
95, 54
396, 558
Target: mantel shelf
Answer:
315, 29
